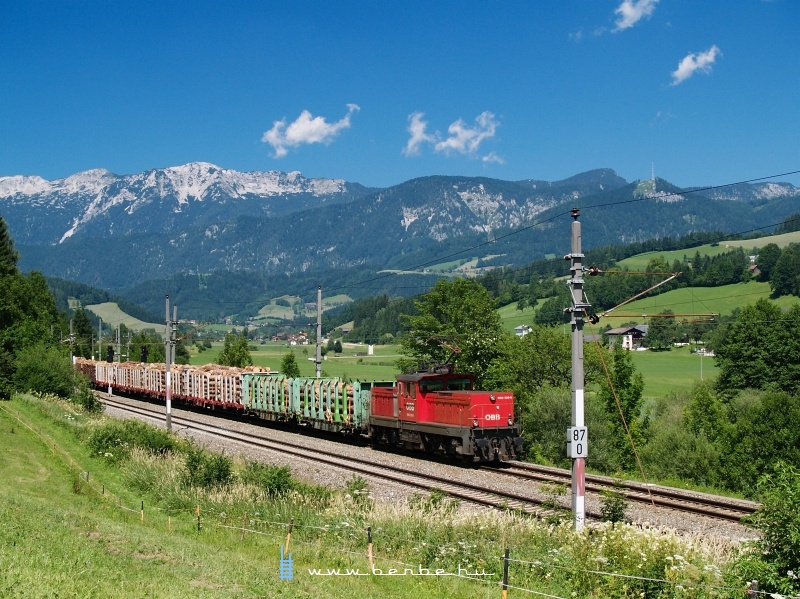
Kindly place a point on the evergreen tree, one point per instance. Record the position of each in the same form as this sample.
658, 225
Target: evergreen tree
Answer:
83, 333
785, 276
8, 255
767, 259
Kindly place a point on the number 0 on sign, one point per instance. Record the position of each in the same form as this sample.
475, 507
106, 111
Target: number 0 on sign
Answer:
577, 442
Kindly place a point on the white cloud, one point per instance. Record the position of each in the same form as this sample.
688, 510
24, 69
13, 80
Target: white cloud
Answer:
462, 139
493, 157
306, 129
632, 11
695, 62
416, 128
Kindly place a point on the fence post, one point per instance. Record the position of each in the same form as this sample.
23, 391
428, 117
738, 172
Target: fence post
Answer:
244, 521
505, 575
369, 548
142, 512
197, 511
288, 537
753, 590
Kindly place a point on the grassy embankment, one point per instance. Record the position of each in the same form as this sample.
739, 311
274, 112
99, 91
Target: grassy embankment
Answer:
64, 535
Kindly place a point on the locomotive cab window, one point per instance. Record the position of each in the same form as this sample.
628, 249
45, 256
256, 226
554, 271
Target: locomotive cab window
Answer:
428, 386
459, 385
412, 390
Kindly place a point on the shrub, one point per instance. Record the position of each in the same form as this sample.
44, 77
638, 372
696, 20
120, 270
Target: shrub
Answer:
207, 469
83, 396
358, 490
775, 563
612, 506
44, 369
115, 439
276, 480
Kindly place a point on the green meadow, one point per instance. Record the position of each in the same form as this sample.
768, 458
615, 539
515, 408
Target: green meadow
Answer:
112, 316
639, 261
353, 362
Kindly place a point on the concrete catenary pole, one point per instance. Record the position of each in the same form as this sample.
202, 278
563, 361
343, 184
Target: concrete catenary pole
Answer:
168, 382
577, 439
174, 338
71, 344
319, 332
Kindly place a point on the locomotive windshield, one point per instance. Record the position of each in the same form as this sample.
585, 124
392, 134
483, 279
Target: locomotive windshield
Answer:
464, 384
431, 385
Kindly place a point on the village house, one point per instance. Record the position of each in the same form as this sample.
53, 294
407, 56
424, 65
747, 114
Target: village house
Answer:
630, 337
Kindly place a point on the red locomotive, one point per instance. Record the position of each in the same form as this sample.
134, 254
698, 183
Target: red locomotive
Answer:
440, 412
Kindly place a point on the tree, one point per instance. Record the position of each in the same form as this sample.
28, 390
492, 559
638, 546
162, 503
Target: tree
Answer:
760, 350
235, 351
552, 310
8, 255
621, 393
767, 259
147, 344
289, 365
789, 224
705, 412
785, 277
778, 519
662, 332
543, 357
337, 347
765, 429
44, 368
458, 314
83, 331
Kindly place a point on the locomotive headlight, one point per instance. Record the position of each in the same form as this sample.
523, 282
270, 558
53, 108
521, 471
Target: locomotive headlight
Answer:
510, 421
475, 422
492, 398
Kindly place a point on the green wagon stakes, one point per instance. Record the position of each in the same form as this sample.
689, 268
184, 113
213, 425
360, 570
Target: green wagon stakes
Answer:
329, 404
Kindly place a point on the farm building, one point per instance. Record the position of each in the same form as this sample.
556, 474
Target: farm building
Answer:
630, 337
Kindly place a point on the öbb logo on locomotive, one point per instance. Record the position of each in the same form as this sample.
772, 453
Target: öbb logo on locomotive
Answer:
437, 411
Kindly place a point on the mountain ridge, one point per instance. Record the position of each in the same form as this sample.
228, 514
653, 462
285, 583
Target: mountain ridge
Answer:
117, 232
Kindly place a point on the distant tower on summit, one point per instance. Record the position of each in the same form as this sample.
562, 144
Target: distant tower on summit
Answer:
653, 175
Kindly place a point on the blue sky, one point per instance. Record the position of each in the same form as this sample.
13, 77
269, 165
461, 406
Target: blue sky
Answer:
382, 92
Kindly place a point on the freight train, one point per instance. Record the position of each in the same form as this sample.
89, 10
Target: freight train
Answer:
437, 411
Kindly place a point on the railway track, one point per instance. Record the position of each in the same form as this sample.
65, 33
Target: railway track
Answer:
405, 476
693, 502
710, 506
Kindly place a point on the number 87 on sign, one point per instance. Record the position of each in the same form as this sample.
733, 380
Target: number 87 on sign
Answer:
577, 442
